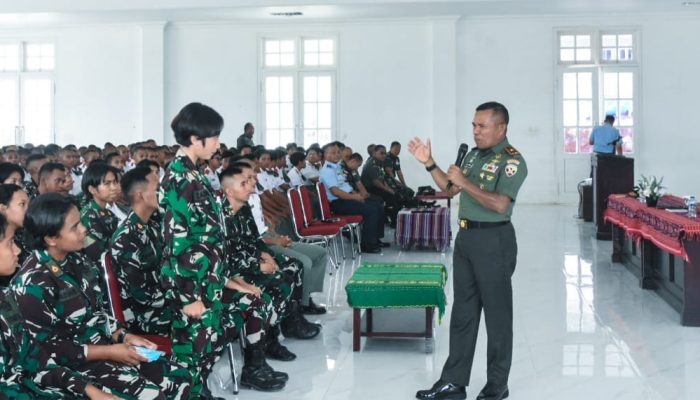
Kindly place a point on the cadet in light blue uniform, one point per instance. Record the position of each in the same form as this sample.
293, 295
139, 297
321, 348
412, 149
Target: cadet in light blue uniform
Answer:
605, 138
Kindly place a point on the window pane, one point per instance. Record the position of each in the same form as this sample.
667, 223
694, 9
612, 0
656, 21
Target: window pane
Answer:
609, 40
286, 89
272, 115
272, 60
570, 112
608, 54
310, 136
326, 59
310, 89
585, 113
286, 136
570, 140
287, 46
566, 41
286, 59
8, 110
324, 88
311, 59
566, 54
33, 63
311, 46
9, 58
324, 136
47, 50
585, 85
583, 135
610, 107
583, 41
626, 54
47, 64
33, 50
272, 46
626, 85
287, 115
583, 54
326, 45
569, 80
627, 140
610, 85
624, 40
310, 115
37, 118
324, 115
272, 89
272, 138
626, 116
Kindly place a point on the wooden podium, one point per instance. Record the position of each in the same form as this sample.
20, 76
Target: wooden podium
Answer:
611, 174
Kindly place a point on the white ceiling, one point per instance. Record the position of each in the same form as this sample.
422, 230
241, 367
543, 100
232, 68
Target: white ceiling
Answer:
39, 12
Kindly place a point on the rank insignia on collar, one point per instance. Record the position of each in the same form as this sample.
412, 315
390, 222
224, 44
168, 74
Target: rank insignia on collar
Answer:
511, 151
55, 269
139, 226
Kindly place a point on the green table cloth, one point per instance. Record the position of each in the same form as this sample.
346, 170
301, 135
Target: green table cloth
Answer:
394, 285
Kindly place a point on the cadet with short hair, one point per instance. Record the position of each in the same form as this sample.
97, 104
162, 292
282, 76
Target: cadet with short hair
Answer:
100, 185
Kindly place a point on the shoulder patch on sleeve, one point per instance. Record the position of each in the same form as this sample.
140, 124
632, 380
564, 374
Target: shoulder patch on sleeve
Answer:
511, 151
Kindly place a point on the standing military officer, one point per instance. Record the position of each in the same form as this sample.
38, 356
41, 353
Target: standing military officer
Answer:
485, 253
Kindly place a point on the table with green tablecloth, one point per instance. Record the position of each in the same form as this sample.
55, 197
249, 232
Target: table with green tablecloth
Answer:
396, 285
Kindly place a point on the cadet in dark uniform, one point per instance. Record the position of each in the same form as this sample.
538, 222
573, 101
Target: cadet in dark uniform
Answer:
100, 186
484, 255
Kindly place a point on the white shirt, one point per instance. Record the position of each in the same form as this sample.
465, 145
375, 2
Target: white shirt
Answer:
310, 171
295, 177
256, 208
213, 179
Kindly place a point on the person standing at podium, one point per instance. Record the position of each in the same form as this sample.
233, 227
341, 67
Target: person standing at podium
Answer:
485, 252
605, 138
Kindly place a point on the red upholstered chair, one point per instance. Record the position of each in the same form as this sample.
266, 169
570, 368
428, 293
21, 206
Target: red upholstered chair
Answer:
310, 231
351, 223
163, 342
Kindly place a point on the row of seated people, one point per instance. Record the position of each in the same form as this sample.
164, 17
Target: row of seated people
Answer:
198, 291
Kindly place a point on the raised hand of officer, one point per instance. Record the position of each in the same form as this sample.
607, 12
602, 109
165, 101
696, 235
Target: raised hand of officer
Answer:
421, 151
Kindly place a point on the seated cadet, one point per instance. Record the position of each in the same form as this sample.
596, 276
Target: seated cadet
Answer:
100, 187
313, 257
280, 276
13, 206
312, 170
11, 173
34, 164
115, 160
136, 249
296, 177
59, 296
345, 201
26, 370
52, 179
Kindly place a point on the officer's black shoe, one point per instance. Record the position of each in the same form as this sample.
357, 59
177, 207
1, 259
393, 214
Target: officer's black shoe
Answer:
383, 244
296, 326
313, 308
442, 390
205, 393
493, 392
256, 374
283, 376
275, 350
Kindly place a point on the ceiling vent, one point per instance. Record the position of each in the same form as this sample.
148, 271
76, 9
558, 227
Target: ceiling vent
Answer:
287, 14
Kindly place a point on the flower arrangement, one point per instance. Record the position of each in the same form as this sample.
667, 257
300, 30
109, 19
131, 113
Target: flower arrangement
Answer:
650, 189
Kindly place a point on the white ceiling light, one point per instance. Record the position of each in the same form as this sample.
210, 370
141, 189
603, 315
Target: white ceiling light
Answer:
287, 14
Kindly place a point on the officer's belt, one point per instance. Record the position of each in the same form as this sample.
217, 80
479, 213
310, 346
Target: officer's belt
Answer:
469, 224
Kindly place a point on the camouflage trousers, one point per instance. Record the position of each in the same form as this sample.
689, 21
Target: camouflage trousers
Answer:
198, 343
155, 321
247, 314
160, 379
282, 286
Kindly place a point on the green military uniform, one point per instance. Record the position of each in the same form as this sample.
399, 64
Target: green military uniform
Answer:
484, 261
31, 188
193, 262
244, 248
27, 371
137, 251
101, 223
62, 304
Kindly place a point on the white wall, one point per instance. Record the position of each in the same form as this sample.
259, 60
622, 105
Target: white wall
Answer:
396, 79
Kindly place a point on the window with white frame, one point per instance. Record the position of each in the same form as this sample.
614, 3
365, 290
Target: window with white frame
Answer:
298, 90
26, 92
597, 74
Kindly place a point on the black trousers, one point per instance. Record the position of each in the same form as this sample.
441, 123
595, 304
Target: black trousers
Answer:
483, 263
372, 212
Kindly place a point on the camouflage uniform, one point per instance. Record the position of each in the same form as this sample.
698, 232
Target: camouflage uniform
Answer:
245, 246
100, 224
137, 251
27, 371
31, 188
61, 303
192, 265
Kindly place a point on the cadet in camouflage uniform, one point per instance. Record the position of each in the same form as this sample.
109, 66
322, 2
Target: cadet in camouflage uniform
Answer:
60, 298
485, 253
137, 253
246, 252
34, 164
26, 371
100, 185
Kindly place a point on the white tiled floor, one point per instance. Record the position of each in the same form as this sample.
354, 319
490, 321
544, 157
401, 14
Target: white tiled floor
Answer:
583, 330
